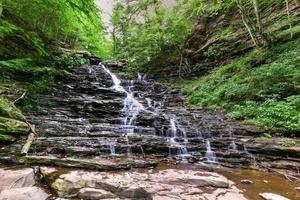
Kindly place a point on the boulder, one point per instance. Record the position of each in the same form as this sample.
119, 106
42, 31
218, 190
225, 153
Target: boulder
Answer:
272, 196
94, 194
25, 193
136, 192
12, 126
16, 178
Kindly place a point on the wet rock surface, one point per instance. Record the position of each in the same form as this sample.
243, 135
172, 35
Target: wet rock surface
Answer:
165, 184
83, 118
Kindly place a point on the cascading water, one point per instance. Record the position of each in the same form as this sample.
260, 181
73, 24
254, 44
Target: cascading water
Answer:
232, 146
251, 156
142, 77
210, 155
181, 150
131, 107
112, 149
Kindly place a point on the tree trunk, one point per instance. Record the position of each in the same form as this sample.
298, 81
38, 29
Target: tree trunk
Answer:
289, 18
258, 20
1, 8
247, 26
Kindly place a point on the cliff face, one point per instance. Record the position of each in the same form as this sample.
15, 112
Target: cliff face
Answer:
217, 40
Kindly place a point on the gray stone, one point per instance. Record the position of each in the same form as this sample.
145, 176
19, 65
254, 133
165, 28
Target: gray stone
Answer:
136, 193
246, 181
272, 196
25, 193
94, 194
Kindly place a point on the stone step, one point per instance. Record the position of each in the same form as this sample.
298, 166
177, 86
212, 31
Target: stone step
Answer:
95, 164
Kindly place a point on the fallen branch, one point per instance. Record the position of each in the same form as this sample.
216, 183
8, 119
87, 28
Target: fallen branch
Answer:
31, 137
20, 98
32, 134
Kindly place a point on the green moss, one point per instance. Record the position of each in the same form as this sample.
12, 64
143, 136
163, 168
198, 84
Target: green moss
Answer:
9, 110
12, 126
7, 138
289, 143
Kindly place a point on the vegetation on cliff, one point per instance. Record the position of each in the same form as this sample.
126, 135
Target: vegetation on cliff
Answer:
242, 55
34, 36
37, 40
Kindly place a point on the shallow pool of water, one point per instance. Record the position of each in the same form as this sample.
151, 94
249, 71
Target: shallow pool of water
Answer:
262, 182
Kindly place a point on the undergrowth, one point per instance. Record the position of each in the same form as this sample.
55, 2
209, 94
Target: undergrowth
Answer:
261, 88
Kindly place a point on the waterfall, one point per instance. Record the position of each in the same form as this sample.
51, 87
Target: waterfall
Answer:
117, 82
251, 156
131, 107
232, 146
111, 146
142, 77
210, 155
181, 150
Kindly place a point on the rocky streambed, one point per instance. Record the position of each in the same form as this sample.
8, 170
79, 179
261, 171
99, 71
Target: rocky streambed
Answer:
93, 120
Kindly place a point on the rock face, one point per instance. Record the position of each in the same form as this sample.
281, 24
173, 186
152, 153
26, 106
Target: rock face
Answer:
166, 184
20, 185
84, 119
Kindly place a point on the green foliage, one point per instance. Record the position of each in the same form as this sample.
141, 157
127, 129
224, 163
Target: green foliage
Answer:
40, 85
144, 29
261, 87
75, 23
6, 28
270, 113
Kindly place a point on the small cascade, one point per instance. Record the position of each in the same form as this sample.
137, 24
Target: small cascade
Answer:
142, 77
112, 149
142, 151
210, 155
180, 150
232, 146
250, 155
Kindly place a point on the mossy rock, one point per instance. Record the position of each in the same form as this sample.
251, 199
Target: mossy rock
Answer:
9, 110
12, 126
7, 138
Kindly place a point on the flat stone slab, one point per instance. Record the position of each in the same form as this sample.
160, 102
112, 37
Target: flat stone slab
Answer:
272, 196
165, 184
25, 193
16, 178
